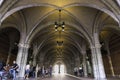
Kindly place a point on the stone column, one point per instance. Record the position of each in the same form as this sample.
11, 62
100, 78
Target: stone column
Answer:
37, 67
22, 59
77, 64
111, 65
9, 55
34, 60
94, 63
100, 62
41, 61
99, 72
72, 66
20, 52
110, 61
77, 61
84, 64
89, 68
35, 51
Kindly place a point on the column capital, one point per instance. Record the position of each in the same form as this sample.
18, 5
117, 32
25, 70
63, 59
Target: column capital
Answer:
97, 45
24, 45
92, 47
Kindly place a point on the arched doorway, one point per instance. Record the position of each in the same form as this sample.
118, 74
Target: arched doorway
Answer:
59, 68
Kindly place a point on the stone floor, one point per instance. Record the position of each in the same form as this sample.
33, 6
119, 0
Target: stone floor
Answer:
57, 77
67, 77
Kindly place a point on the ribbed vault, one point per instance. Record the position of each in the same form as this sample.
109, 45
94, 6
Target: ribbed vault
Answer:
35, 20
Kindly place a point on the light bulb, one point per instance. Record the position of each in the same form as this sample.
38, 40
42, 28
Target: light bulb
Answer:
55, 29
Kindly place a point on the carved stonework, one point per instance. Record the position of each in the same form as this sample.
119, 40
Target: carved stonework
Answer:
23, 45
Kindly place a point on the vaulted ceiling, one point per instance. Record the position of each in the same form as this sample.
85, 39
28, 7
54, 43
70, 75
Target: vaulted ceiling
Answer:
35, 20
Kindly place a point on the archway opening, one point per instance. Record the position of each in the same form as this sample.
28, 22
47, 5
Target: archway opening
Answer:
9, 39
59, 69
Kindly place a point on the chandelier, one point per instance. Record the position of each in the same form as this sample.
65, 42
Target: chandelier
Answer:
59, 43
59, 26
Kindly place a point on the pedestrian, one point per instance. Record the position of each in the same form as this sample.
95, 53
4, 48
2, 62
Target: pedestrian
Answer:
43, 71
13, 70
27, 71
50, 70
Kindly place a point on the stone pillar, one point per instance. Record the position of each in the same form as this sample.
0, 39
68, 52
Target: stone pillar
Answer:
89, 68
22, 59
20, 52
34, 60
35, 51
110, 61
84, 64
9, 55
77, 61
41, 61
111, 65
36, 71
94, 63
99, 72
100, 63
72, 66
59, 68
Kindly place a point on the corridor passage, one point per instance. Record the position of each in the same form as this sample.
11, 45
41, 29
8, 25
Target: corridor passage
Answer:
67, 77
77, 37
58, 77
62, 77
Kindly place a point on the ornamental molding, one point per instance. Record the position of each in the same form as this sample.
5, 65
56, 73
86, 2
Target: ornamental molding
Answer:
25, 45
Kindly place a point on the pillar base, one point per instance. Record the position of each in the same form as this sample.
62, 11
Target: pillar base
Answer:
20, 78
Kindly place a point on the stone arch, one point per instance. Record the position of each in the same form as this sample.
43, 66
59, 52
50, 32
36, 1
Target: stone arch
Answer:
30, 36
105, 10
74, 4
54, 6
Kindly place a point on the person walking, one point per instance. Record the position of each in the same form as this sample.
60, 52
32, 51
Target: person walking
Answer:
43, 71
50, 70
13, 70
27, 71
